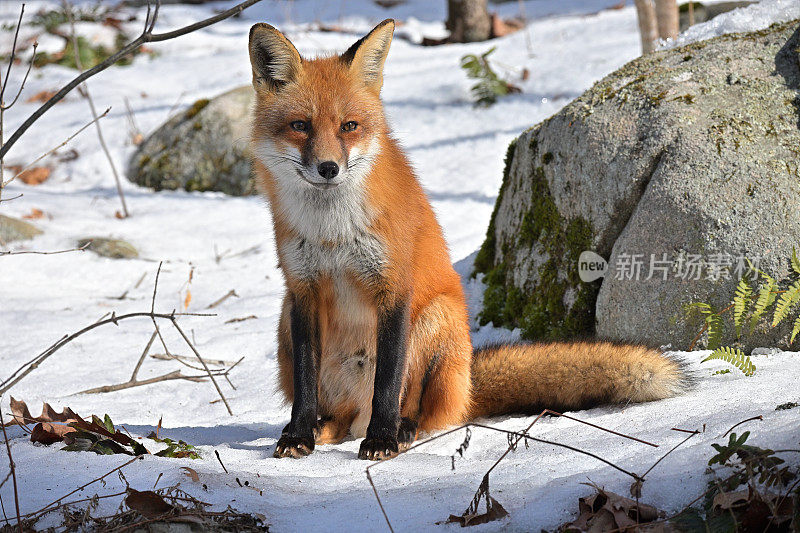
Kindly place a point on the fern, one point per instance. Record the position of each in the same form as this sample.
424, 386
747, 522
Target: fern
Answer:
766, 296
788, 300
735, 357
795, 261
741, 300
489, 86
715, 330
795, 330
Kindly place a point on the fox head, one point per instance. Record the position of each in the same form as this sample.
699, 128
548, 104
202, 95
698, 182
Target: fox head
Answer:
318, 123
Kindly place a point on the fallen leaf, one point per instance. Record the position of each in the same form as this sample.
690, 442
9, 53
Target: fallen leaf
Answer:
147, 503
47, 433
606, 511
34, 214
137, 139
187, 300
21, 415
496, 512
730, 500
41, 97
192, 473
34, 176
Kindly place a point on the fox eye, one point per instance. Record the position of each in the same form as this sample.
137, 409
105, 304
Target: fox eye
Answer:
299, 125
350, 126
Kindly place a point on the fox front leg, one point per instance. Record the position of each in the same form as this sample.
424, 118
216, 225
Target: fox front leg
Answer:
297, 439
392, 339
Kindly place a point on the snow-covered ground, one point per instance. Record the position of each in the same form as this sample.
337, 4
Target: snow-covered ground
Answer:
458, 152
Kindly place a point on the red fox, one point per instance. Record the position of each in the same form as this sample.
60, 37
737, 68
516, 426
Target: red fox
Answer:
373, 338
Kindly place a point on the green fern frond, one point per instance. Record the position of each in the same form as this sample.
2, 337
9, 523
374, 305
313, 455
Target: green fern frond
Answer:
795, 330
795, 261
735, 357
715, 330
788, 300
766, 296
741, 301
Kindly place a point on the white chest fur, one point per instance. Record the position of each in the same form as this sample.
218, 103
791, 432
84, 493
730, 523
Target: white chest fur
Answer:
363, 255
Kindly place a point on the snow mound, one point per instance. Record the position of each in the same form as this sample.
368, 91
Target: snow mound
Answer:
751, 18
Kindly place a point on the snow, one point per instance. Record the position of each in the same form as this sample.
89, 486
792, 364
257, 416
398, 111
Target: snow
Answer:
458, 152
754, 17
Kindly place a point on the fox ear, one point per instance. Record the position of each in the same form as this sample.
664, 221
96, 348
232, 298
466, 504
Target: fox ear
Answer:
366, 57
275, 60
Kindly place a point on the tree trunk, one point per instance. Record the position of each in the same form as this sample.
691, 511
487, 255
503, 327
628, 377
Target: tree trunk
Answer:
667, 17
646, 14
468, 21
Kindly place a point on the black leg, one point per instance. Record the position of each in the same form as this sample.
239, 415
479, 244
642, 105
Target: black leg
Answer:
297, 439
381, 441
406, 434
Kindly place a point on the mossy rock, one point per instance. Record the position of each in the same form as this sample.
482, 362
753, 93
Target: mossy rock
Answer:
111, 248
202, 148
14, 229
694, 150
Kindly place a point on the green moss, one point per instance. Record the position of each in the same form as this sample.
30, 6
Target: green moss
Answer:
196, 107
554, 304
484, 260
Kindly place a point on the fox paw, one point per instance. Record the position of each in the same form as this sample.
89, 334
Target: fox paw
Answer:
406, 434
292, 446
377, 449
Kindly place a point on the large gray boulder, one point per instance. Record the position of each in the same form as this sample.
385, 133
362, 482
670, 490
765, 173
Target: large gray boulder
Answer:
201, 149
692, 152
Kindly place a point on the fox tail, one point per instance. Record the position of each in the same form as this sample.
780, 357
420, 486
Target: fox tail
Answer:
570, 376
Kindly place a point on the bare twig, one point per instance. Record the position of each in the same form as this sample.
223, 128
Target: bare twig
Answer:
84, 89
138, 383
57, 503
220, 461
21, 252
205, 366
514, 438
173, 357
68, 139
141, 358
34, 363
759, 417
13, 470
147, 36
231, 293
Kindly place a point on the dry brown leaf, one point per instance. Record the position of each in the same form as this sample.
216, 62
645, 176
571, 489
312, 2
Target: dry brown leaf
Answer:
496, 512
47, 433
192, 473
34, 214
187, 300
730, 500
21, 415
34, 175
606, 511
41, 97
137, 139
147, 503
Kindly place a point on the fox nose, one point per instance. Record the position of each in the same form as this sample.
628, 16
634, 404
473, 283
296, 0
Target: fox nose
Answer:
328, 169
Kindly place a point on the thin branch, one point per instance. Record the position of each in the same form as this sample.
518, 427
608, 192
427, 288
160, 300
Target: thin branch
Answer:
512, 446
68, 139
13, 470
34, 363
57, 503
230, 293
138, 383
146, 37
85, 91
24, 79
13, 54
759, 417
144, 354
210, 374
9, 252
